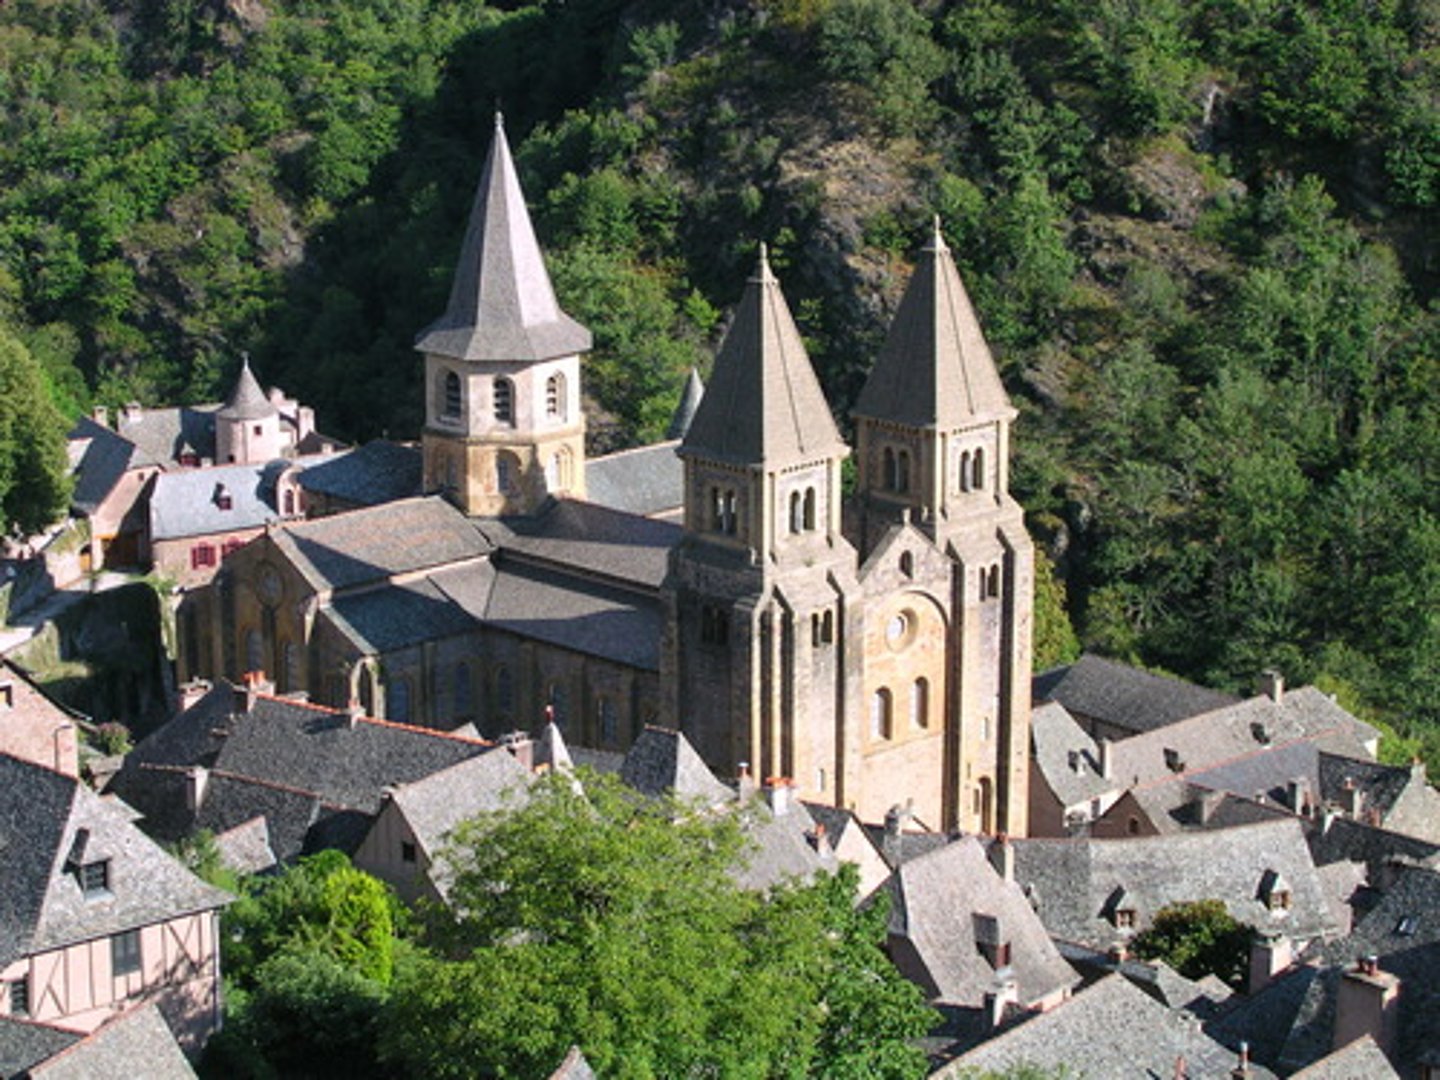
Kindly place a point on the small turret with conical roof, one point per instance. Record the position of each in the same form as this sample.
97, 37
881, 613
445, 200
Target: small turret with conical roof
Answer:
504, 427
690, 399
248, 426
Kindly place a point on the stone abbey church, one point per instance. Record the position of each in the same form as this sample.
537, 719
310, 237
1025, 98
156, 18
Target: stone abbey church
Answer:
873, 650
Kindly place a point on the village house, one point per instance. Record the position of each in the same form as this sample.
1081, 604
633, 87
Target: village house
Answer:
97, 917
32, 727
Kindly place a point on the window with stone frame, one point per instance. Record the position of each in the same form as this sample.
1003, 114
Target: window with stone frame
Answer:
882, 714
95, 878
555, 396
504, 401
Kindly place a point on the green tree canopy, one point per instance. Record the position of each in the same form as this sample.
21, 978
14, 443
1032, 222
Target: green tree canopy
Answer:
34, 480
1198, 938
601, 918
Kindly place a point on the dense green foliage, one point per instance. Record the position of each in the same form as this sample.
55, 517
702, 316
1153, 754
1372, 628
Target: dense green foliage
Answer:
1199, 236
34, 487
608, 920
1198, 938
598, 918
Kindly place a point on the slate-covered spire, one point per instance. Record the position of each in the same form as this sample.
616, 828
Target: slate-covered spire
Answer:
502, 306
764, 404
247, 401
935, 369
690, 399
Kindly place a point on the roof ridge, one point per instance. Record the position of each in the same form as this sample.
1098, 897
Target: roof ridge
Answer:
274, 785
424, 730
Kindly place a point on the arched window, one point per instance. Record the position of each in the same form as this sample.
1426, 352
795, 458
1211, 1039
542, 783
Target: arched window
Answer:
965, 471
902, 471
565, 468
882, 714
907, 564
504, 689
450, 396
809, 508
717, 509
555, 396
727, 516
290, 680
504, 401
254, 651
920, 703
892, 478
507, 473
797, 517
994, 581
460, 700
289, 510
827, 627
397, 701
609, 720
977, 471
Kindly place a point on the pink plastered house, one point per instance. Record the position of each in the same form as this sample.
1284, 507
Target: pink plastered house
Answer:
33, 727
96, 917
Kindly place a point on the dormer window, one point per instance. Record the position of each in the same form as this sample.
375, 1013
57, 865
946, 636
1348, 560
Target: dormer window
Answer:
1280, 900
223, 500
20, 997
1173, 761
1125, 918
95, 878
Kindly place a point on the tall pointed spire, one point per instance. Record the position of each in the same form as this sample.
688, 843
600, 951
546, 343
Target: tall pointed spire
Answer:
764, 404
502, 305
935, 369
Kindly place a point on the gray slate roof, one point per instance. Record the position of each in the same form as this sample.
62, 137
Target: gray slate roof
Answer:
647, 480
378, 542
1065, 755
186, 502
162, 434
1112, 1029
24, 1043
934, 369
49, 824
1246, 730
435, 804
1124, 696
105, 457
382, 620
135, 1043
1359, 1060
572, 535
662, 760
940, 901
1081, 882
764, 404
245, 848
783, 847
246, 401
378, 472
502, 306
574, 1067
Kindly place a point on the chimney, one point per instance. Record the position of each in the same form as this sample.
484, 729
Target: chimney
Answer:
1297, 795
1077, 762
1206, 803
778, 792
1107, 757
196, 779
1417, 771
1002, 856
744, 782
189, 693
1270, 954
1352, 799
132, 411
1367, 1004
254, 683
1242, 1066
101, 415
1000, 998
817, 839
521, 747
1271, 684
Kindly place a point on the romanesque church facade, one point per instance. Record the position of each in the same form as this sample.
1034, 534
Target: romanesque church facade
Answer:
873, 650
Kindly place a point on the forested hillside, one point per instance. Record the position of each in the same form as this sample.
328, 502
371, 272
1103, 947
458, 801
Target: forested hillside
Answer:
1200, 236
